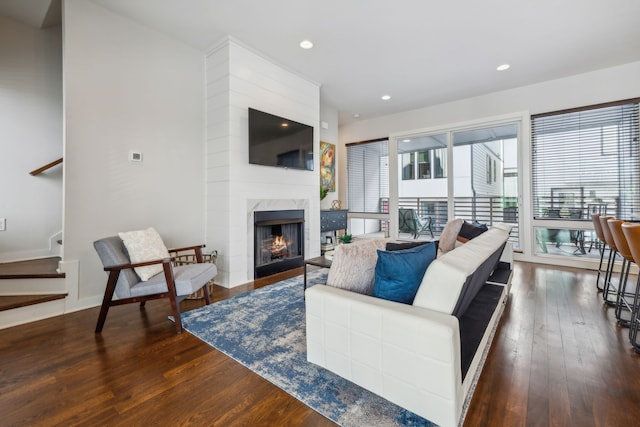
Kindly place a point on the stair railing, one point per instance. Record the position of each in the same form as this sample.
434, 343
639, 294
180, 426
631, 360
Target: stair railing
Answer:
45, 167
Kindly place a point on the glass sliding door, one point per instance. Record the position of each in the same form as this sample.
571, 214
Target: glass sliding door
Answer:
485, 175
470, 174
422, 185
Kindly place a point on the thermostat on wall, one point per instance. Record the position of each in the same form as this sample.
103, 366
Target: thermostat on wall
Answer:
135, 156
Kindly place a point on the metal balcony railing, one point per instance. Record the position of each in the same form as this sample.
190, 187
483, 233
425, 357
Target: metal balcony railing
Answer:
484, 209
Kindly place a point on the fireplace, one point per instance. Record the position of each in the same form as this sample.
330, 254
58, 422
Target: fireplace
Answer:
278, 241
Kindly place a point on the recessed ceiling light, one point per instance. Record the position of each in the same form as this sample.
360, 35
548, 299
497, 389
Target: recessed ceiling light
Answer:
306, 44
284, 125
406, 140
356, 116
503, 67
386, 97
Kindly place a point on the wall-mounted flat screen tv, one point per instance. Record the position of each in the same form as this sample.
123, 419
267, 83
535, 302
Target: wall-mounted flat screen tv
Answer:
276, 141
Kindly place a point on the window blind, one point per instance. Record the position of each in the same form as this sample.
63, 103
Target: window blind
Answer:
586, 161
368, 176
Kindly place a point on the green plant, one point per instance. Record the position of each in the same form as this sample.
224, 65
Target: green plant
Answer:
323, 192
346, 238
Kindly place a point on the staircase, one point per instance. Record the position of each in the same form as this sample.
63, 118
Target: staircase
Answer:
34, 289
25, 283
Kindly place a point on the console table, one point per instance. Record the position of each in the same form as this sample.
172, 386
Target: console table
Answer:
333, 220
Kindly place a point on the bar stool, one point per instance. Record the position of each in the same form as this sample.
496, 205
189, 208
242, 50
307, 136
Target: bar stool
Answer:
632, 234
613, 252
601, 245
623, 299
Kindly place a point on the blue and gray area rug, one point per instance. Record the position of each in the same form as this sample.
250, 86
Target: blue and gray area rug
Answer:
265, 331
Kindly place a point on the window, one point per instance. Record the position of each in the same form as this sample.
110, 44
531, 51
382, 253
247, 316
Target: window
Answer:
431, 163
440, 163
488, 163
368, 176
408, 166
495, 170
424, 164
481, 157
449, 177
584, 159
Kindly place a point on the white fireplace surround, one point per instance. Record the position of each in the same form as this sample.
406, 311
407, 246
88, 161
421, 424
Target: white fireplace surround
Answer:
239, 79
274, 205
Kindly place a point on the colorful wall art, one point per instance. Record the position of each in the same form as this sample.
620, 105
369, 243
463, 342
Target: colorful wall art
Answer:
327, 166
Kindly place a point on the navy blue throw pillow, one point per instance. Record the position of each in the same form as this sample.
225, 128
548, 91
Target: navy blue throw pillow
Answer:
399, 273
398, 246
471, 231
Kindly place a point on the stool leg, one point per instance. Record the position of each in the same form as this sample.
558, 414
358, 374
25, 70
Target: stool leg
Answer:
607, 277
601, 248
621, 294
633, 323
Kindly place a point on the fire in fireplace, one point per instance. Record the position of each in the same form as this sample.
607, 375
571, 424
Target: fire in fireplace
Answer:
278, 241
279, 248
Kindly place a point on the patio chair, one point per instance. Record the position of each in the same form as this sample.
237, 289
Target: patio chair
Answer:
411, 223
133, 279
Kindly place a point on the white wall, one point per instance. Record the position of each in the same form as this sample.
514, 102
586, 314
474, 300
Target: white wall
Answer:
30, 137
128, 88
237, 79
329, 116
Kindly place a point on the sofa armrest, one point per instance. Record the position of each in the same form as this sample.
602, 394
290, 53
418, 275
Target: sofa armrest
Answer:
406, 354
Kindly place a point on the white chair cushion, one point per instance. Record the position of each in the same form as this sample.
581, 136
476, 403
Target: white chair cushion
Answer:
145, 245
187, 278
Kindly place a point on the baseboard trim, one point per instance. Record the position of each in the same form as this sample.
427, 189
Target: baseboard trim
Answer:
31, 313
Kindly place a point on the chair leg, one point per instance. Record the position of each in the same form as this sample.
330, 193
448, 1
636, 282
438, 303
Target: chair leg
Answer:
171, 287
106, 301
175, 309
207, 296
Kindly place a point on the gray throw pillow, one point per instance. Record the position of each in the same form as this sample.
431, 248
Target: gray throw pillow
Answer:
449, 235
354, 265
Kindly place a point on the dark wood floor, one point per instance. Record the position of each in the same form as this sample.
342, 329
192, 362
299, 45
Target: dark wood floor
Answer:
558, 358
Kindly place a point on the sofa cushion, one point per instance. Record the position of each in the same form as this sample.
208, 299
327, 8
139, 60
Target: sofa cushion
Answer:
444, 280
474, 322
354, 264
399, 273
449, 235
470, 231
398, 246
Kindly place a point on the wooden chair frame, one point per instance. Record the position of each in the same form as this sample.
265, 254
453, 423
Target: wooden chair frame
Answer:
167, 266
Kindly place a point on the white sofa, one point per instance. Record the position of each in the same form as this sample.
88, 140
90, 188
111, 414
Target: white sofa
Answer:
411, 354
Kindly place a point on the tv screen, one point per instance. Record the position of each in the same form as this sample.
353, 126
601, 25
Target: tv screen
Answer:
276, 141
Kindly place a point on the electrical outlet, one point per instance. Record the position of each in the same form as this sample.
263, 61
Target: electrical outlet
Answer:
3, 224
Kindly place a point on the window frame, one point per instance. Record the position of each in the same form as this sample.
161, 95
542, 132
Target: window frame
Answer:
537, 161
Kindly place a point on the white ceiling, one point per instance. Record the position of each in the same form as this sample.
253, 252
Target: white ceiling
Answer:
421, 52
